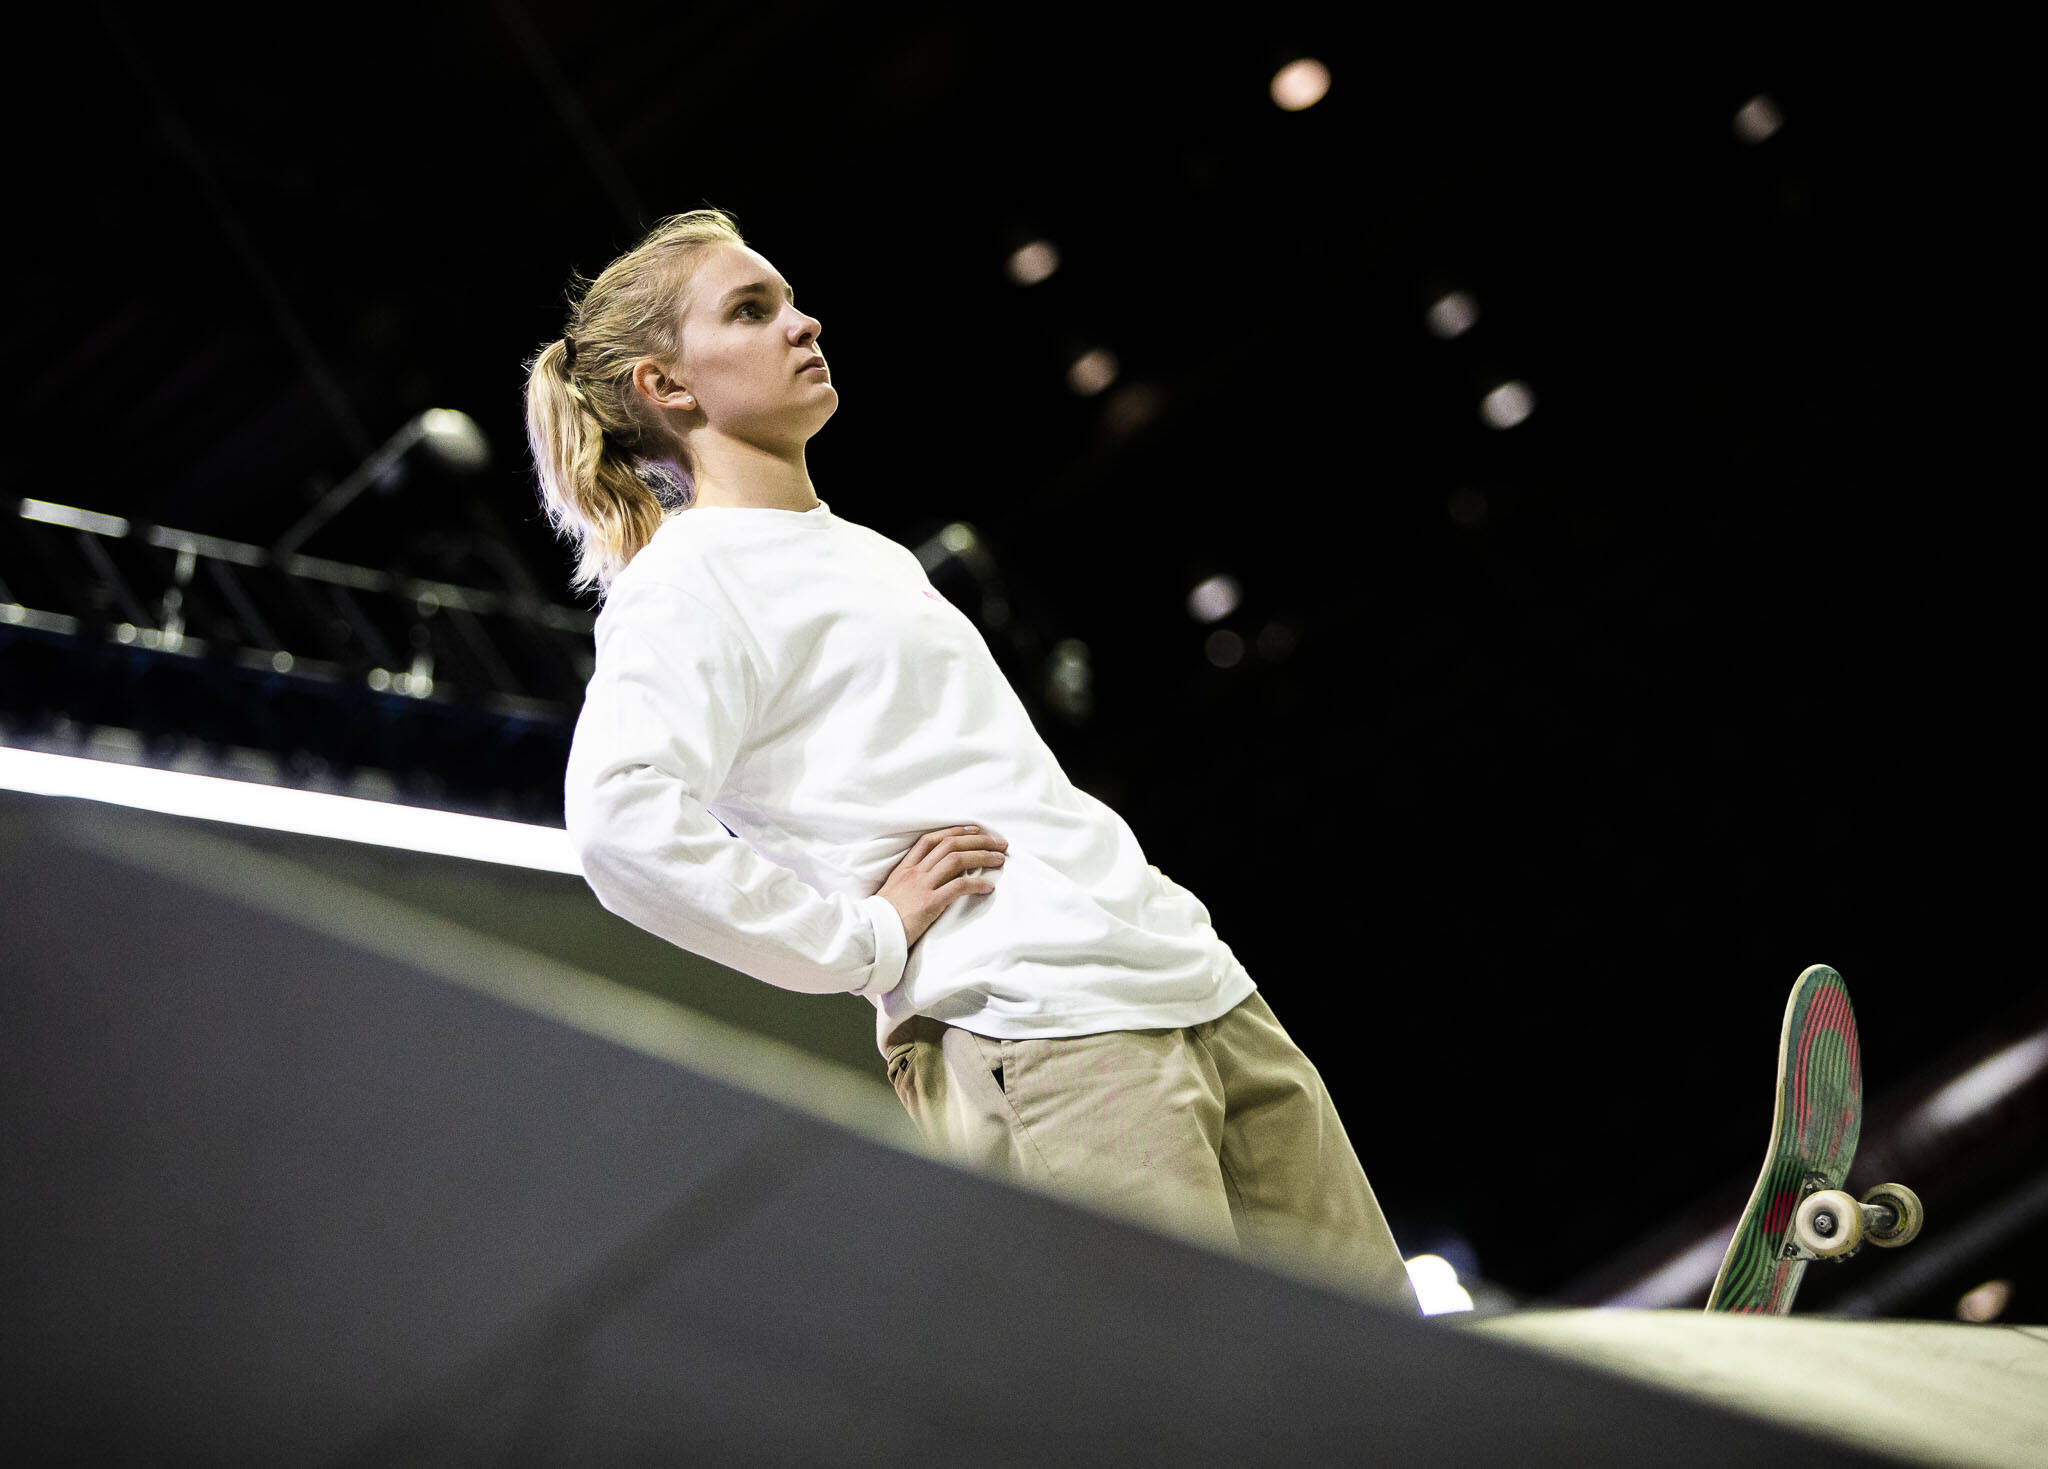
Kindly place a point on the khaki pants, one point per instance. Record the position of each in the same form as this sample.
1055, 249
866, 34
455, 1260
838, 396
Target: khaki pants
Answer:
1221, 1133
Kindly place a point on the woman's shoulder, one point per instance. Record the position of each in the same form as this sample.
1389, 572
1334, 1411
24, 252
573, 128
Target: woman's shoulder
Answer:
665, 557
867, 537
665, 575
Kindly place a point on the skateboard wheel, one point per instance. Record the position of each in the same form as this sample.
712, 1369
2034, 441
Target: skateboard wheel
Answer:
1907, 1215
1828, 1225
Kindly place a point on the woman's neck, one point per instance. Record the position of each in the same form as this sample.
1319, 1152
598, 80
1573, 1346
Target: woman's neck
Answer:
748, 477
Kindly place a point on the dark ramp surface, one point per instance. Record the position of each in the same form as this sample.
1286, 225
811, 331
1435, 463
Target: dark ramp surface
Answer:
272, 1198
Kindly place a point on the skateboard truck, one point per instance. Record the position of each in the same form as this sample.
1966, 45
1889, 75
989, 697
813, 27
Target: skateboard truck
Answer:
1830, 1225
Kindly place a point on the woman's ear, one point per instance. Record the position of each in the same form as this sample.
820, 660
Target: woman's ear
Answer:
655, 385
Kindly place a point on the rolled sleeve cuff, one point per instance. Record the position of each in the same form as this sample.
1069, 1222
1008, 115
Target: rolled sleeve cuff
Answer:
891, 951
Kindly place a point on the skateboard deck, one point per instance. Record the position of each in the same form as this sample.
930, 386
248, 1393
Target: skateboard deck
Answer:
1814, 1131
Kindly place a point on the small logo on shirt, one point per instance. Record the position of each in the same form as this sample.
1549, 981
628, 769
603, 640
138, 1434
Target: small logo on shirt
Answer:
933, 595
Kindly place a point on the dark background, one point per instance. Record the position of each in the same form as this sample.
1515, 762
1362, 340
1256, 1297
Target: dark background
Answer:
1583, 738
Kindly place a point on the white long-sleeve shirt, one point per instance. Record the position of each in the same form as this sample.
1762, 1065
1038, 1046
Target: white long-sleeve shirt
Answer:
795, 678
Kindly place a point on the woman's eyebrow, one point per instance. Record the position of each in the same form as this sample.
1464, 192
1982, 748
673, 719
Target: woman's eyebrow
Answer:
756, 288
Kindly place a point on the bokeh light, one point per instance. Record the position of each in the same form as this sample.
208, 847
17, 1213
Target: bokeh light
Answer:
1507, 405
1300, 84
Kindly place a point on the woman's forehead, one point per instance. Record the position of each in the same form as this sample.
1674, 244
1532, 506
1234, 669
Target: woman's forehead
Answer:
727, 265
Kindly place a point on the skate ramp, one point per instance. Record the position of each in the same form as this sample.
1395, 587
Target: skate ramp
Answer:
1939, 1392
296, 1176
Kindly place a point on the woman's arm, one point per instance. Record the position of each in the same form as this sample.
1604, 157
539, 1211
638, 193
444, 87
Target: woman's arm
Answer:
664, 717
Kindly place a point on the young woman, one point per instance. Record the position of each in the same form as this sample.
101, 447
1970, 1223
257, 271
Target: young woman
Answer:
1048, 1003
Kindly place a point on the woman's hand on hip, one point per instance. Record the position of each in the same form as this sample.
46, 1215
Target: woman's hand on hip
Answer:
939, 867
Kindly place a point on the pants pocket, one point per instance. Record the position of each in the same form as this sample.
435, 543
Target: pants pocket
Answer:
899, 1064
917, 1072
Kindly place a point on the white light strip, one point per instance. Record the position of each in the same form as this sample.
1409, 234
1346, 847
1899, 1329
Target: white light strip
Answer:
1679, 1277
240, 552
340, 573
19, 616
1984, 1085
51, 513
281, 808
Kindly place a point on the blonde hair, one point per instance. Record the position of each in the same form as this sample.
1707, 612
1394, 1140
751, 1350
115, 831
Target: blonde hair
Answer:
610, 470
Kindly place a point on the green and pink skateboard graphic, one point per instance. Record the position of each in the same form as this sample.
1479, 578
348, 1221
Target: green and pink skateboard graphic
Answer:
1798, 1212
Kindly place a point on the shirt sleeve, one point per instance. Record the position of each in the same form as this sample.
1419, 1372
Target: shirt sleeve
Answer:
667, 711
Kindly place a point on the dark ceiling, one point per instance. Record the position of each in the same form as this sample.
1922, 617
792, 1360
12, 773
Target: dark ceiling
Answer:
1588, 734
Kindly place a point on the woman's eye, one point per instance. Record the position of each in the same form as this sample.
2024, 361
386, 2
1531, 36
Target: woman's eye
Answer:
750, 306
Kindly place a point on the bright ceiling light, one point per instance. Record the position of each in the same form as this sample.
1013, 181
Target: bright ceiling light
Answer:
1214, 598
1032, 263
1757, 119
1507, 405
1453, 314
1300, 84
1092, 372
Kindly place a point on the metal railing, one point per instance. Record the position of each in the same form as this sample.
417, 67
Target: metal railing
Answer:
462, 694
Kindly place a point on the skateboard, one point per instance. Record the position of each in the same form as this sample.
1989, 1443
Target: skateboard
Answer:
1798, 1212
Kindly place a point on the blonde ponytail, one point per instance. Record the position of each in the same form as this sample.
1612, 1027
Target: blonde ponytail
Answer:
610, 471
